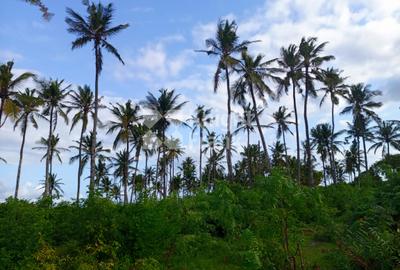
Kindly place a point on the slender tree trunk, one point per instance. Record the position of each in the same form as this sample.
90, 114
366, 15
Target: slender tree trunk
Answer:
284, 144
158, 164
228, 127
248, 138
78, 190
46, 182
2, 101
358, 155
297, 130
331, 161
201, 153
146, 155
137, 155
308, 148
164, 165
126, 173
268, 164
334, 174
21, 156
95, 117
324, 170
388, 149
365, 153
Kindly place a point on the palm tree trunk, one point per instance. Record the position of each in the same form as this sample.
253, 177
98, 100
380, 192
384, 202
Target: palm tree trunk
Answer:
164, 165
96, 107
324, 170
297, 130
21, 156
146, 155
358, 155
388, 149
268, 164
228, 128
331, 161
248, 138
365, 153
2, 101
126, 173
334, 176
201, 152
308, 148
284, 144
158, 163
78, 190
46, 183
138, 148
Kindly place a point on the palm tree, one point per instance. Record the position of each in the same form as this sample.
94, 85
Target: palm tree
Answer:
82, 102
28, 105
96, 28
55, 150
174, 151
200, 121
86, 153
322, 139
278, 154
334, 88
8, 85
214, 147
253, 71
361, 102
386, 134
162, 110
290, 61
53, 94
121, 161
55, 186
126, 117
351, 160
3, 160
281, 120
138, 132
310, 61
224, 46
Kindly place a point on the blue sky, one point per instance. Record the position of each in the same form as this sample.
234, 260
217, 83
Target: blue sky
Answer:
158, 49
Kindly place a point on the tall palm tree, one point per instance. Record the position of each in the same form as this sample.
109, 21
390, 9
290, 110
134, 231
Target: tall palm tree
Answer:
28, 104
86, 153
290, 61
246, 121
55, 186
96, 28
351, 160
214, 146
281, 120
361, 102
53, 93
386, 134
126, 116
225, 44
174, 151
333, 88
162, 109
8, 85
55, 150
311, 60
200, 120
82, 101
253, 72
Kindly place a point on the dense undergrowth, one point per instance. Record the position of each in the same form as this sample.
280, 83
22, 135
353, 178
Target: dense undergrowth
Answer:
275, 224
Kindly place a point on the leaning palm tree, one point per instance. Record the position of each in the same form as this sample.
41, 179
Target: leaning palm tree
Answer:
8, 85
282, 121
386, 135
311, 60
333, 88
53, 94
162, 111
290, 62
200, 120
82, 101
126, 116
361, 105
224, 46
95, 28
253, 73
55, 150
28, 105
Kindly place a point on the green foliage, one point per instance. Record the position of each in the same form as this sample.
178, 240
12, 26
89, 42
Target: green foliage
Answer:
276, 224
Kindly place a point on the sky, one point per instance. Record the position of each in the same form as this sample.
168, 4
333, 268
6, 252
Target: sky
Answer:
159, 52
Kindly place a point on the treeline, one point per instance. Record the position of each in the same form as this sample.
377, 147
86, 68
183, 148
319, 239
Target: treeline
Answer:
299, 71
276, 224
